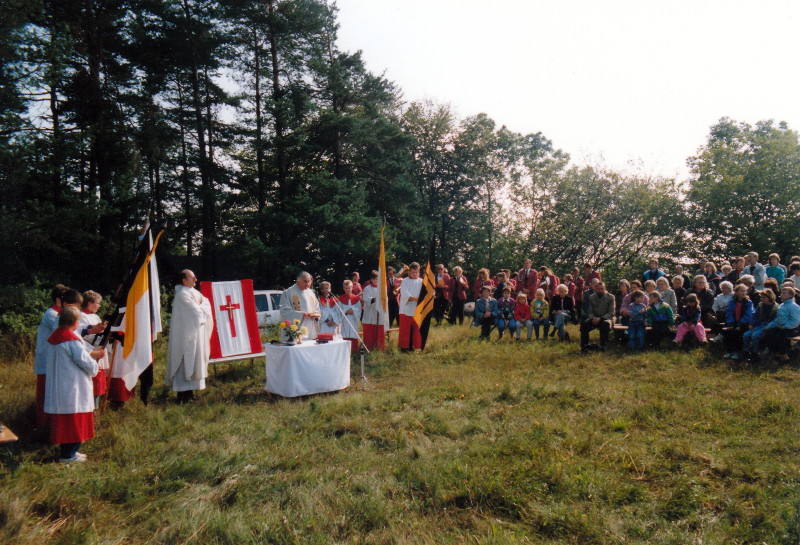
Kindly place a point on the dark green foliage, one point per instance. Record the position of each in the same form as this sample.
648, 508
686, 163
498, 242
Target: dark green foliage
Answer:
745, 190
264, 150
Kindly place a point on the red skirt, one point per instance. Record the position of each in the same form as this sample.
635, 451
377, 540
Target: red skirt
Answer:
409, 336
71, 428
100, 382
374, 337
41, 416
118, 392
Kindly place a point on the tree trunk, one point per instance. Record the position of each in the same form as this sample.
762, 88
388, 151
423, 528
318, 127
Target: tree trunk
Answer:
280, 123
186, 185
207, 204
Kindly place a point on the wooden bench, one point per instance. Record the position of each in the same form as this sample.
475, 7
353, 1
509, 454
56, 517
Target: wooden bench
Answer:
8, 441
620, 327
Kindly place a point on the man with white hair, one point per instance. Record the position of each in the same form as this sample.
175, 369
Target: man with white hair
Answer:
189, 349
756, 270
300, 303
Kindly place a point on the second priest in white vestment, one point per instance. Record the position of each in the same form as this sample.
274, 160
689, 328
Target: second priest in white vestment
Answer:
190, 331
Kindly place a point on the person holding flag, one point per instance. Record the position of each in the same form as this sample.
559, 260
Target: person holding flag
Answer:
409, 337
424, 311
377, 302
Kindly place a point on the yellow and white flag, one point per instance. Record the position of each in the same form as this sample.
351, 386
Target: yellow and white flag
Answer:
142, 322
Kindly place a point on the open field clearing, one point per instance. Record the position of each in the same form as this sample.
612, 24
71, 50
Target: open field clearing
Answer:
467, 443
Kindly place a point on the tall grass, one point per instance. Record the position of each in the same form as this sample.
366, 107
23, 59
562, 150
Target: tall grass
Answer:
468, 442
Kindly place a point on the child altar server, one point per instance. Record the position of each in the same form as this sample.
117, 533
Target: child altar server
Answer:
330, 317
350, 306
371, 317
90, 327
47, 325
69, 402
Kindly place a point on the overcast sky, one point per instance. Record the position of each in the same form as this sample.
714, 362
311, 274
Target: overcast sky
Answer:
636, 84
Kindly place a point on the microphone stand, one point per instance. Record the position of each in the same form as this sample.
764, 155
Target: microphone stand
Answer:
362, 347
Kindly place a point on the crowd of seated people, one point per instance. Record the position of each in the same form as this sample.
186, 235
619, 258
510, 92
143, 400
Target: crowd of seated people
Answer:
747, 306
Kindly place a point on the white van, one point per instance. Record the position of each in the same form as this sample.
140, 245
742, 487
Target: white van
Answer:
268, 306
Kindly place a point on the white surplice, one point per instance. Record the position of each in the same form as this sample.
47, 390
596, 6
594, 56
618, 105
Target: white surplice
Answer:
92, 341
329, 313
349, 328
70, 369
411, 287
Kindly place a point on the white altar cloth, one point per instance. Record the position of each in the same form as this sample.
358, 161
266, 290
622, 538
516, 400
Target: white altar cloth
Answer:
307, 368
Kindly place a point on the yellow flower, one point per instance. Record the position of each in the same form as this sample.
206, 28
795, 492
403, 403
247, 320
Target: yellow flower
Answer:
283, 325
294, 328
297, 322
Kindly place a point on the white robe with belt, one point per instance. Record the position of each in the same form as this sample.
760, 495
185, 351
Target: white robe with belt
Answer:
189, 340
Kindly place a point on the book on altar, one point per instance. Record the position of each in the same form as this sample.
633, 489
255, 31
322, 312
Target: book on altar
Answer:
236, 330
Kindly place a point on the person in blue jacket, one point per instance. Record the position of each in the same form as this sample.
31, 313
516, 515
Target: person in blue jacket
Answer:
785, 325
653, 273
739, 316
485, 312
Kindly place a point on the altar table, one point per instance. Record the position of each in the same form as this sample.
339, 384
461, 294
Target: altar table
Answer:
307, 368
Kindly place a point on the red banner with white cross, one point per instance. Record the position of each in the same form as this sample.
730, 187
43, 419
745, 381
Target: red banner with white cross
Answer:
235, 320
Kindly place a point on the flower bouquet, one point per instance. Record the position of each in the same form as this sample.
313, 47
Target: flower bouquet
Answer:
292, 333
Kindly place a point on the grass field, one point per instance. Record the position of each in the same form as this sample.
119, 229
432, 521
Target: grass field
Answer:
466, 443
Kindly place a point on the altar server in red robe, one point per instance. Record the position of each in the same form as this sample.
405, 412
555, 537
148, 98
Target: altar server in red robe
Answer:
69, 400
371, 319
330, 317
350, 305
47, 325
410, 289
90, 327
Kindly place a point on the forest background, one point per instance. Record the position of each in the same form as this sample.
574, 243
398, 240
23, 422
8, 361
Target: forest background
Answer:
264, 149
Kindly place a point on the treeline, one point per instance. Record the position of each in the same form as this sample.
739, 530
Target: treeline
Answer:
264, 148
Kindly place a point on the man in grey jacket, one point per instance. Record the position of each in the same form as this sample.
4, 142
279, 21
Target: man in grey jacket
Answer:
599, 315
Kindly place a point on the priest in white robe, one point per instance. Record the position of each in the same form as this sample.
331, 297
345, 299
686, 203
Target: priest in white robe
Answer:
300, 303
190, 331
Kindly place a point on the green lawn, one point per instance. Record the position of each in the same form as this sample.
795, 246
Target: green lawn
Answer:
467, 443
